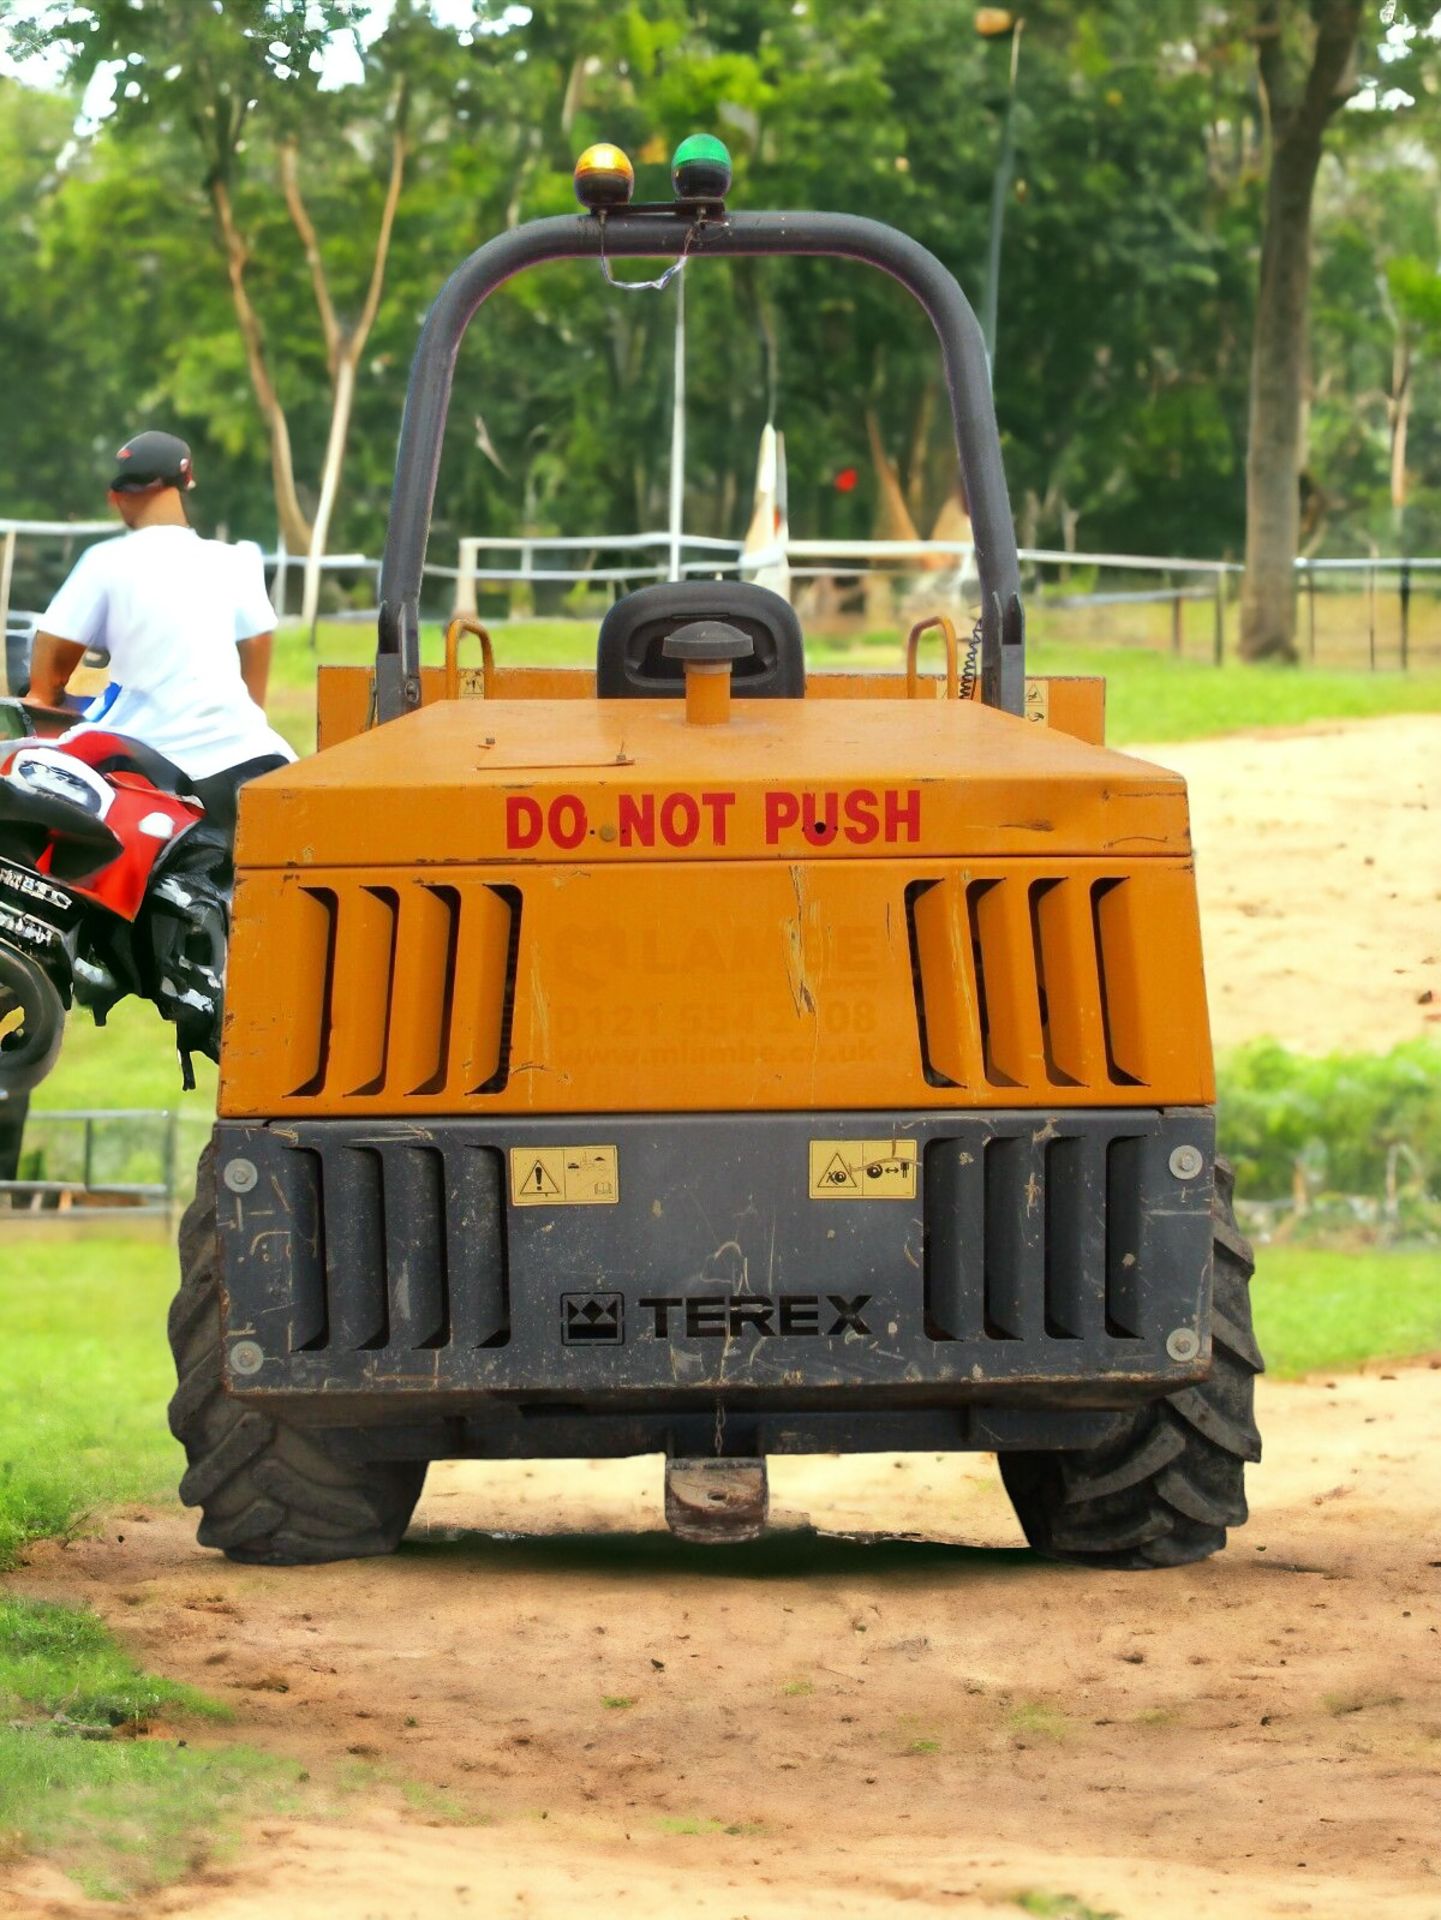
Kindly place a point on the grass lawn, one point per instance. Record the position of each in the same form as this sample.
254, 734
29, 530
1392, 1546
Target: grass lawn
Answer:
105, 1770
1150, 697
1328, 1308
84, 1376
130, 1062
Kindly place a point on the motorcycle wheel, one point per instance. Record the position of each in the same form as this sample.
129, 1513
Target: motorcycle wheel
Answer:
32, 1022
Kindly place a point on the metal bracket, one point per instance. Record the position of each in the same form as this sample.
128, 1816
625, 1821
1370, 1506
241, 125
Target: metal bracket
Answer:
713, 1502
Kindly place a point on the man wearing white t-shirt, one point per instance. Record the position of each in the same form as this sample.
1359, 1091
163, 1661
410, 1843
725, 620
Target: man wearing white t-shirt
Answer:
187, 624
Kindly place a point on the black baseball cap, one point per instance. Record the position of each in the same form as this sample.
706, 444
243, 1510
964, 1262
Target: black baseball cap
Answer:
153, 460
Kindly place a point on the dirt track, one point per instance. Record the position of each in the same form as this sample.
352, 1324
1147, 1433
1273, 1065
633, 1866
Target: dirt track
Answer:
856, 1726
1319, 862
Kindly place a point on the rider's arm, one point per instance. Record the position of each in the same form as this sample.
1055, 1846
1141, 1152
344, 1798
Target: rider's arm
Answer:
51, 665
254, 621
255, 665
74, 620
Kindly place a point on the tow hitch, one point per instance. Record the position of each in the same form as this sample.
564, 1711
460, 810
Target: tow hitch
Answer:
712, 1502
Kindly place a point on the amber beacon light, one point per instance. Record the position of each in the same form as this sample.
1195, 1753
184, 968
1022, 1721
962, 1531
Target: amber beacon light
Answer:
604, 177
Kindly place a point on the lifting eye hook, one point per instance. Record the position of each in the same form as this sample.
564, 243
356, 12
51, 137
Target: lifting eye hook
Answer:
462, 624
947, 631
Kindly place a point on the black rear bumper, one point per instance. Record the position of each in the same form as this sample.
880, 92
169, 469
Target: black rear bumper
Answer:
387, 1272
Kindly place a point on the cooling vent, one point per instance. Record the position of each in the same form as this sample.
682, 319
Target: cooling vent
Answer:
395, 1249
1031, 1237
1032, 984
404, 990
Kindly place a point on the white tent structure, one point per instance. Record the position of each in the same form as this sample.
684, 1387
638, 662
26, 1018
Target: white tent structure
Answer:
763, 555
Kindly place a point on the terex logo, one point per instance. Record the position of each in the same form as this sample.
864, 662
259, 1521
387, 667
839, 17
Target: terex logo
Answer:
715, 1316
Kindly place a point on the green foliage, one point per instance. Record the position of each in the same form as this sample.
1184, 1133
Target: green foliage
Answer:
1335, 1308
1415, 287
1339, 1117
1126, 292
84, 1376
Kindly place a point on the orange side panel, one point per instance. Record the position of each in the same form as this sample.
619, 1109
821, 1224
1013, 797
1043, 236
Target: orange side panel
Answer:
1074, 704
1000, 914
424, 943
1077, 705
342, 704
1065, 929
680, 987
945, 968
1146, 948
280, 944
343, 694
480, 987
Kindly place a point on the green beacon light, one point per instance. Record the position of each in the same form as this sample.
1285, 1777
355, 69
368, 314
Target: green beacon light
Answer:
701, 168
604, 177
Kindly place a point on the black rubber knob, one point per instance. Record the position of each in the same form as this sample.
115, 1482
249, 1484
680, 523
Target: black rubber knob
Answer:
708, 641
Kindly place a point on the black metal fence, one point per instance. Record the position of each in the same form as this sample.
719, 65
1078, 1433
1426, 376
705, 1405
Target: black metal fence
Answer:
132, 1160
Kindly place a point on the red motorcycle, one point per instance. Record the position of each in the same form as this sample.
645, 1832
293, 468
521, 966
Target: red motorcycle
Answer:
111, 883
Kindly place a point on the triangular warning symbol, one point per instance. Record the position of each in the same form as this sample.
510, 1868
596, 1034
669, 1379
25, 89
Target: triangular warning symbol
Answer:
539, 1180
838, 1174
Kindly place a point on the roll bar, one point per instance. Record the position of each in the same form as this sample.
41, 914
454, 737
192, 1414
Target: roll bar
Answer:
666, 233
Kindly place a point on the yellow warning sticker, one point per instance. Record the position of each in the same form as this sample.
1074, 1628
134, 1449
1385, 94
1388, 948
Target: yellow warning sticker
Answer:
863, 1169
564, 1176
1038, 702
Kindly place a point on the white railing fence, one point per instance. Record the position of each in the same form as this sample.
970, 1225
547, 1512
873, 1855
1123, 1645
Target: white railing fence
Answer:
1353, 610
1374, 610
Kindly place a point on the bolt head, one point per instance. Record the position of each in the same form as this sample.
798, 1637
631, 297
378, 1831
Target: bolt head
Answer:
246, 1357
1187, 1162
1183, 1344
241, 1176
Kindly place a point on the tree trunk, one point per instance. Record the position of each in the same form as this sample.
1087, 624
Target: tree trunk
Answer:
1273, 458
294, 527
342, 400
1299, 114
892, 513
343, 350
917, 462
1400, 411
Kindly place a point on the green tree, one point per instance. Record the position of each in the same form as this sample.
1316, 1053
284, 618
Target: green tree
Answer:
1375, 404
206, 69
1306, 56
1312, 57
212, 256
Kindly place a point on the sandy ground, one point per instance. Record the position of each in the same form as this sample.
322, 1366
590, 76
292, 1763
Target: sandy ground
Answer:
1319, 860
833, 1721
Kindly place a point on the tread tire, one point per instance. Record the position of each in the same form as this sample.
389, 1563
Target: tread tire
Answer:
269, 1494
1163, 1492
